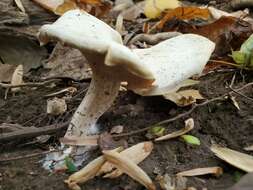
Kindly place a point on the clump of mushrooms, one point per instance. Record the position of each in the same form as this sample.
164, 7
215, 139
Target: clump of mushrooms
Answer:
149, 72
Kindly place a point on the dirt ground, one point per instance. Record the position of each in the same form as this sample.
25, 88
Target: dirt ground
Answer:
218, 122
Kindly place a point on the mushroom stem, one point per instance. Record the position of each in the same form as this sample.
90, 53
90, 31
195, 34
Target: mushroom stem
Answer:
100, 96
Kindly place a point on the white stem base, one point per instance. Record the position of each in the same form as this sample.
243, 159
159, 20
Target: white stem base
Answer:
100, 96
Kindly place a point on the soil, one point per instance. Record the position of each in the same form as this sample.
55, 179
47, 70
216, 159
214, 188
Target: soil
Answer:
218, 122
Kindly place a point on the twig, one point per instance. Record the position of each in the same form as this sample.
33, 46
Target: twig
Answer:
153, 39
230, 64
29, 84
237, 4
182, 115
26, 156
32, 132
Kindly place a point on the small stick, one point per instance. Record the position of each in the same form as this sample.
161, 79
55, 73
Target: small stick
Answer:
26, 156
32, 132
237, 4
29, 84
153, 39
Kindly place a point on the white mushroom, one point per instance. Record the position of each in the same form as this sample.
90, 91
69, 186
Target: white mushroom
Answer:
147, 71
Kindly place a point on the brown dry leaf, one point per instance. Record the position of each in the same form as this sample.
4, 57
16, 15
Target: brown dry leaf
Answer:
130, 168
249, 148
106, 142
67, 62
56, 106
189, 125
88, 172
59, 7
226, 32
184, 97
235, 158
136, 153
217, 171
184, 13
17, 78
6, 72
80, 141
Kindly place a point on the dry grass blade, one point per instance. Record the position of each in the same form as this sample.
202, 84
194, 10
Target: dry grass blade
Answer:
20, 5
88, 172
136, 153
189, 125
217, 171
130, 168
235, 158
17, 77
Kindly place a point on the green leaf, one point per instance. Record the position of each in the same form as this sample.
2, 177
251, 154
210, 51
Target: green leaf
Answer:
239, 57
70, 165
191, 139
157, 131
237, 175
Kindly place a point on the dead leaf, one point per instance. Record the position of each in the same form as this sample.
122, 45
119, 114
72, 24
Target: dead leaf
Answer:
130, 168
88, 172
17, 48
235, 158
184, 13
67, 62
226, 32
184, 97
59, 7
117, 129
56, 106
172, 183
106, 142
17, 78
217, 171
189, 125
133, 12
136, 153
249, 148
6, 72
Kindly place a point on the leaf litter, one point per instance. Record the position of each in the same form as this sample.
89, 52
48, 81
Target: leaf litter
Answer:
76, 73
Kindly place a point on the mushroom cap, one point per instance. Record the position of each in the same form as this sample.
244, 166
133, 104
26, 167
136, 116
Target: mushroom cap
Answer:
175, 60
101, 45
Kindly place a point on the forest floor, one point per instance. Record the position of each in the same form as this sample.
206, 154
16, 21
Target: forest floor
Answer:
216, 122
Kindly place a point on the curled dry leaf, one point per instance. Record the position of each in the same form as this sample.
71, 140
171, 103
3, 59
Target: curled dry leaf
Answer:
217, 171
17, 78
88, 172
189, 125
184, 97
130, 168
235, 158
184, 13
136, 153
56, 106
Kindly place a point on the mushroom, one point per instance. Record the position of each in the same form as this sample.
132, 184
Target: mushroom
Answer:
147, 71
